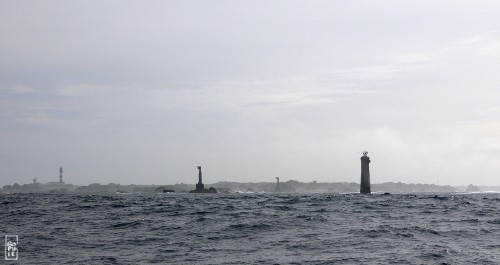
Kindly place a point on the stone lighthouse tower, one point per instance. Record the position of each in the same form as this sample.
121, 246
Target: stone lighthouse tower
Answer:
365, 174
199, 185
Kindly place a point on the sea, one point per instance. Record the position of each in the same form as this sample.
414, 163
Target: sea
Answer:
253, 228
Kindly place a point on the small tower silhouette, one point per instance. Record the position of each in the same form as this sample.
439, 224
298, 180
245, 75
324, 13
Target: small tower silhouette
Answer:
60, 175
277, 184
199, 185
365, 174
200, 188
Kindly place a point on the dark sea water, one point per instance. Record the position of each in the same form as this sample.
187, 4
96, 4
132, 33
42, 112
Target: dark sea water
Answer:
253, 228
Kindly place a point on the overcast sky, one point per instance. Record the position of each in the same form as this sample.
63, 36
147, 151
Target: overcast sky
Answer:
142, 92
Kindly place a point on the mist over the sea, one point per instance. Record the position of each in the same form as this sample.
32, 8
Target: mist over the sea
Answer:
329, 132
136, 92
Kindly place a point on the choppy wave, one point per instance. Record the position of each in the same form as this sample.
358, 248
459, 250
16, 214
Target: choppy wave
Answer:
250, 228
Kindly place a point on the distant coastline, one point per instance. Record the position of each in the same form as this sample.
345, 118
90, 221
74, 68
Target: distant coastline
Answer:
233, 187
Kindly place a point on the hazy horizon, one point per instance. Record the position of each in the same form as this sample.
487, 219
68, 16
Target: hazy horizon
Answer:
139, 92
193, 183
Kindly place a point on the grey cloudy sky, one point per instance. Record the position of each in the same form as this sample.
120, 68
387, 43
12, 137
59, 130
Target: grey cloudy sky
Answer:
144, 91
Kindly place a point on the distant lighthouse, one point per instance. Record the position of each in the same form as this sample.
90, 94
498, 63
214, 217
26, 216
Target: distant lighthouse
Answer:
200, 188
60, 175
199, 185
365, 174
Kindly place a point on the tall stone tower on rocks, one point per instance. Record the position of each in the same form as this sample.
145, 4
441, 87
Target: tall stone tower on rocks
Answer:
199, 185
365, 174
200, 188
